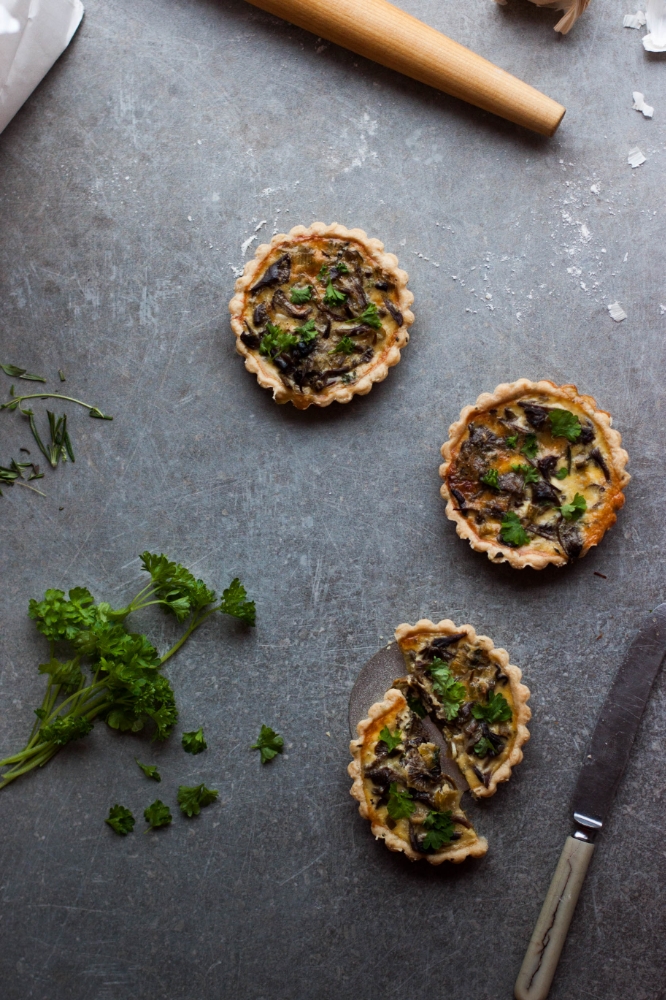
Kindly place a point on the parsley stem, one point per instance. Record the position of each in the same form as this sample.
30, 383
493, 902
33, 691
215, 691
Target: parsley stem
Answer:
197, 621
15, 400
17, 482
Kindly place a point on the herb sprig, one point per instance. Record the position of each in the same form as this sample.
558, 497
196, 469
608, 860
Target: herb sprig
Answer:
126, 687
450, 692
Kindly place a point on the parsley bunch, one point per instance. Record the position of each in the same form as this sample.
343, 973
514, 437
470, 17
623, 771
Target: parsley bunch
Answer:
125, 685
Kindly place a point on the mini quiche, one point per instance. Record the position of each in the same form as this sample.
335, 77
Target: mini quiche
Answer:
533, 474
411, 804
459, 682
472, 693
320, 314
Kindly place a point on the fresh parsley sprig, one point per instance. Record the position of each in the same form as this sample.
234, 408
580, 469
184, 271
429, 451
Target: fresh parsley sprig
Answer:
120, 819
440, 830
564, 423
157, 815
333, 297
530, 446
150, 770
528, 472
450, 692
192, 800
512, 531
344, 346
126, 687
194, 742
269, 743
299, 296
400, 803
392, 740
496, 709
574, 510
491, 478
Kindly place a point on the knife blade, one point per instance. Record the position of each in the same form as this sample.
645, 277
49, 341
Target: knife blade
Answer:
595, 790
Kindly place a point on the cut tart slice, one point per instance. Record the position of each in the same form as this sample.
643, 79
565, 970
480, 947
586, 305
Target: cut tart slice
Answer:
472, 693
533, 474
320, 314
411, 804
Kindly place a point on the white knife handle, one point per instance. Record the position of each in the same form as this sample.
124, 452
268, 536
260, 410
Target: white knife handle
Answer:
543, 952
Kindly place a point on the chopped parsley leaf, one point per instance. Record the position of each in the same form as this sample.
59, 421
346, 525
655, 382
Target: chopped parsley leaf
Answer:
529, 473
562, 473
511, 441
269, 743
194, 742
300, 295
120, 819
496, 709
530, 446
150, 770
323, 273
345, 346
234, 603
572, 511
341, 267
490, 478
440, 830
400, 804
512, 531
332, 296
370, 317
391, 740
450, 692
157, 815
564, 423
192, 800
276, 341
307, 332
484, 747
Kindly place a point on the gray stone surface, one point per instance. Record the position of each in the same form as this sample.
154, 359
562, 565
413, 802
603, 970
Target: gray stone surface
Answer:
158, 144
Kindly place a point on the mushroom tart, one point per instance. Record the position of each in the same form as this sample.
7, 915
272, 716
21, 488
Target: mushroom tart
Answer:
320, 314
399, 784
461, 684
533, 474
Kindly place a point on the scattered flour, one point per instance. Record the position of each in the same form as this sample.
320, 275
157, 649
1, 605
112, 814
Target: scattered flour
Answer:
640, 105
635, 158
617, 312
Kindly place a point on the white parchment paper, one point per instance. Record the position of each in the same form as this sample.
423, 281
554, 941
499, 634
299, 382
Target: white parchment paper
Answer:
33, 33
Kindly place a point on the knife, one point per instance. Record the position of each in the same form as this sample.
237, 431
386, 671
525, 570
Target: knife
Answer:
599, 778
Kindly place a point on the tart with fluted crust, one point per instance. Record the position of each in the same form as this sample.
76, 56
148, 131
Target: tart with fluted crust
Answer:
533, 474
411, 804
460, 683
320, 314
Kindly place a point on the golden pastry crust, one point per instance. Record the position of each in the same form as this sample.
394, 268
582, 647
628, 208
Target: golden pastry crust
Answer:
393, 712
482, 668
300, 375
494, 433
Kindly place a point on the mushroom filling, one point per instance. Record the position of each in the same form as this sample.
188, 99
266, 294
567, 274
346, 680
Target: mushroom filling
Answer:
532, 474
320, 312
408, 790
465, 693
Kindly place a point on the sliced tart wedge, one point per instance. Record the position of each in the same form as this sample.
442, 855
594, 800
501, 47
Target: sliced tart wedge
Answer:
533, 474
411, 804
320, 314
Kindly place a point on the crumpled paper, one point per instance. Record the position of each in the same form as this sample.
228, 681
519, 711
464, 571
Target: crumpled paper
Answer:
33, 33
655, 15
572, 10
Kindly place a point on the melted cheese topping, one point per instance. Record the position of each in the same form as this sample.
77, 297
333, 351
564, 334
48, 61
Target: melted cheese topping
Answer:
350, 318
508, 463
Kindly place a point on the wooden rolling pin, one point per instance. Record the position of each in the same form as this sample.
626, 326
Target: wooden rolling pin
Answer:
379, 31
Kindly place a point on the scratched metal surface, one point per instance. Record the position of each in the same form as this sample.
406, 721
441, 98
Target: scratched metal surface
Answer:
166, 135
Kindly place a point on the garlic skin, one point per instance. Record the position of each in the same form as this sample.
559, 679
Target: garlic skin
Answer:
572, 10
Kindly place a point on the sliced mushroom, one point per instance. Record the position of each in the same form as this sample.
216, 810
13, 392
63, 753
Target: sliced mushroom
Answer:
276, 274
281, 303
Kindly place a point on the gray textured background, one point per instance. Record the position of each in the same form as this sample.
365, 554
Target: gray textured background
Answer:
128, 182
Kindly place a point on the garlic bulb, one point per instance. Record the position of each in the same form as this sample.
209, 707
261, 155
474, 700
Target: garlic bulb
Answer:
572, 11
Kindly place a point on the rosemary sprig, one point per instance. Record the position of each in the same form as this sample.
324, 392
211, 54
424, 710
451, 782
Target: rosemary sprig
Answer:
93, 411
15, 372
